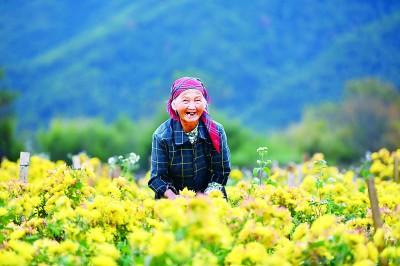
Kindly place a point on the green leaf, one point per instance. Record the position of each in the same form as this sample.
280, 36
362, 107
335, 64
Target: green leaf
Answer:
267, 171
256, 171
317, 244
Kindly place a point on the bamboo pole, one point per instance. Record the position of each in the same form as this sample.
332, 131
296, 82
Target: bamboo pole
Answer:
373, 199
23, 166
396, 169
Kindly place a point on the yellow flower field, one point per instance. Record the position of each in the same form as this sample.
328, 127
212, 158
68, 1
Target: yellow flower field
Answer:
83, 217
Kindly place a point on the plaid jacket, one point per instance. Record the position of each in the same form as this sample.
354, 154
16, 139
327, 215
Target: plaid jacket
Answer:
176, 163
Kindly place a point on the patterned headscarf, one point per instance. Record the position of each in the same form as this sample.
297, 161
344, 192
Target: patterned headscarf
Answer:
186, 83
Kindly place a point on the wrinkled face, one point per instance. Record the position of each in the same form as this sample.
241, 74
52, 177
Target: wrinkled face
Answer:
190, 105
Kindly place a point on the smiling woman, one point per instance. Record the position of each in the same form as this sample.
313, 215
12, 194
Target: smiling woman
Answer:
189, 150
189, 105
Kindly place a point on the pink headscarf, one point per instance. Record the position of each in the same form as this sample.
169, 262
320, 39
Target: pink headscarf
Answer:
186, 83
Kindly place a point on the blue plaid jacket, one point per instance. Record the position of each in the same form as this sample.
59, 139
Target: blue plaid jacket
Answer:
176, 163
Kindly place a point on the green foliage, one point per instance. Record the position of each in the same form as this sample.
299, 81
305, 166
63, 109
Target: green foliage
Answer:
124, 136
9, 145
264, 166
343, 252
242, 141
93, 136
366, 119
126, 163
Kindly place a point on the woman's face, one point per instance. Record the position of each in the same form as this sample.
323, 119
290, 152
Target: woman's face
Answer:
190, 105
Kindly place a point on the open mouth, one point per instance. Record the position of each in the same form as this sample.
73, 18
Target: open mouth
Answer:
191, 114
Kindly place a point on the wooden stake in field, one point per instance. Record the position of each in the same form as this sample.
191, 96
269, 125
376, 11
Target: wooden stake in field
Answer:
76, 162
291, 177
373, 199
396, 169
114, 172
23, 166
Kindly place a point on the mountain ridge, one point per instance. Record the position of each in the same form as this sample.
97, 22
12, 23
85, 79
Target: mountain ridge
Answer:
267, 58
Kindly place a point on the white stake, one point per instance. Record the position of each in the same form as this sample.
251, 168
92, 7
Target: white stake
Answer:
23, 166
76, 162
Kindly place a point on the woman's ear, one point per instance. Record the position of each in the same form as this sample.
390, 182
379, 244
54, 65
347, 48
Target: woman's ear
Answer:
205, 104
173, 105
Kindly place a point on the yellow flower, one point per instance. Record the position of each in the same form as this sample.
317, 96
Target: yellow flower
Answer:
187, 193
377, 167
348, 178
374, 156
388, 252
54, 248
301, 231
139, 238
360, 252
379, 239
364, 263
11, 258
204, 257
108, 250
353, 239
214, 233
236, 256
95, 234
17, 234
3, 195
23, 249
3, 211
63, 201
257, 232
215, 194
372, 252
181, 250
68, 246
384, 154
236, 174
160, 242
290, 250
255, 252
102, 260
323, 224
317, 157
243, 186
172, 212
275, 260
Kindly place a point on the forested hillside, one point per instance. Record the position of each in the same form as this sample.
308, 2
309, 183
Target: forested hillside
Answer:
263, 62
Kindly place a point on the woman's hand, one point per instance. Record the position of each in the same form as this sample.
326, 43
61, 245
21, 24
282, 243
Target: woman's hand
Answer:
169, 194
201, 194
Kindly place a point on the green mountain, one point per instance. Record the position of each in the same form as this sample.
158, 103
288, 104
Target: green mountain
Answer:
262, 61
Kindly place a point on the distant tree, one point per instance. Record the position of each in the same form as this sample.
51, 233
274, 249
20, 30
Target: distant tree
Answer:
9, 146
367, 118
99, 139
371, 111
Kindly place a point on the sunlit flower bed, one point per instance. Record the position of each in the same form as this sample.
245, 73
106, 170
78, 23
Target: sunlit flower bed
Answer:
83, 217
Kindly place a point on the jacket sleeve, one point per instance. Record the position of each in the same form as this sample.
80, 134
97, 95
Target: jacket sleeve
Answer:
221, 162
159, 181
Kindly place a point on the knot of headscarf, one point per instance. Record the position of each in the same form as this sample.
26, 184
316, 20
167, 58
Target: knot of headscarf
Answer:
186, 83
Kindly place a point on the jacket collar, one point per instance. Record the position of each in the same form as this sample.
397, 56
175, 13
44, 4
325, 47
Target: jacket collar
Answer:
179, 135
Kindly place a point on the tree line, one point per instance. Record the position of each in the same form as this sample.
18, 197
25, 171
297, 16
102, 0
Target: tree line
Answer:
366, 118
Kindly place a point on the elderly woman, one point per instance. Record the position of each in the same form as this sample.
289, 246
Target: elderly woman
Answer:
189, 149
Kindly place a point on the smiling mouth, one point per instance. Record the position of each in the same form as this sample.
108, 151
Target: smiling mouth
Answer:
191, 114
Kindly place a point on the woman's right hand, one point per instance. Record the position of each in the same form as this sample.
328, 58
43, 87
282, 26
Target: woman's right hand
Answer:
169, 194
